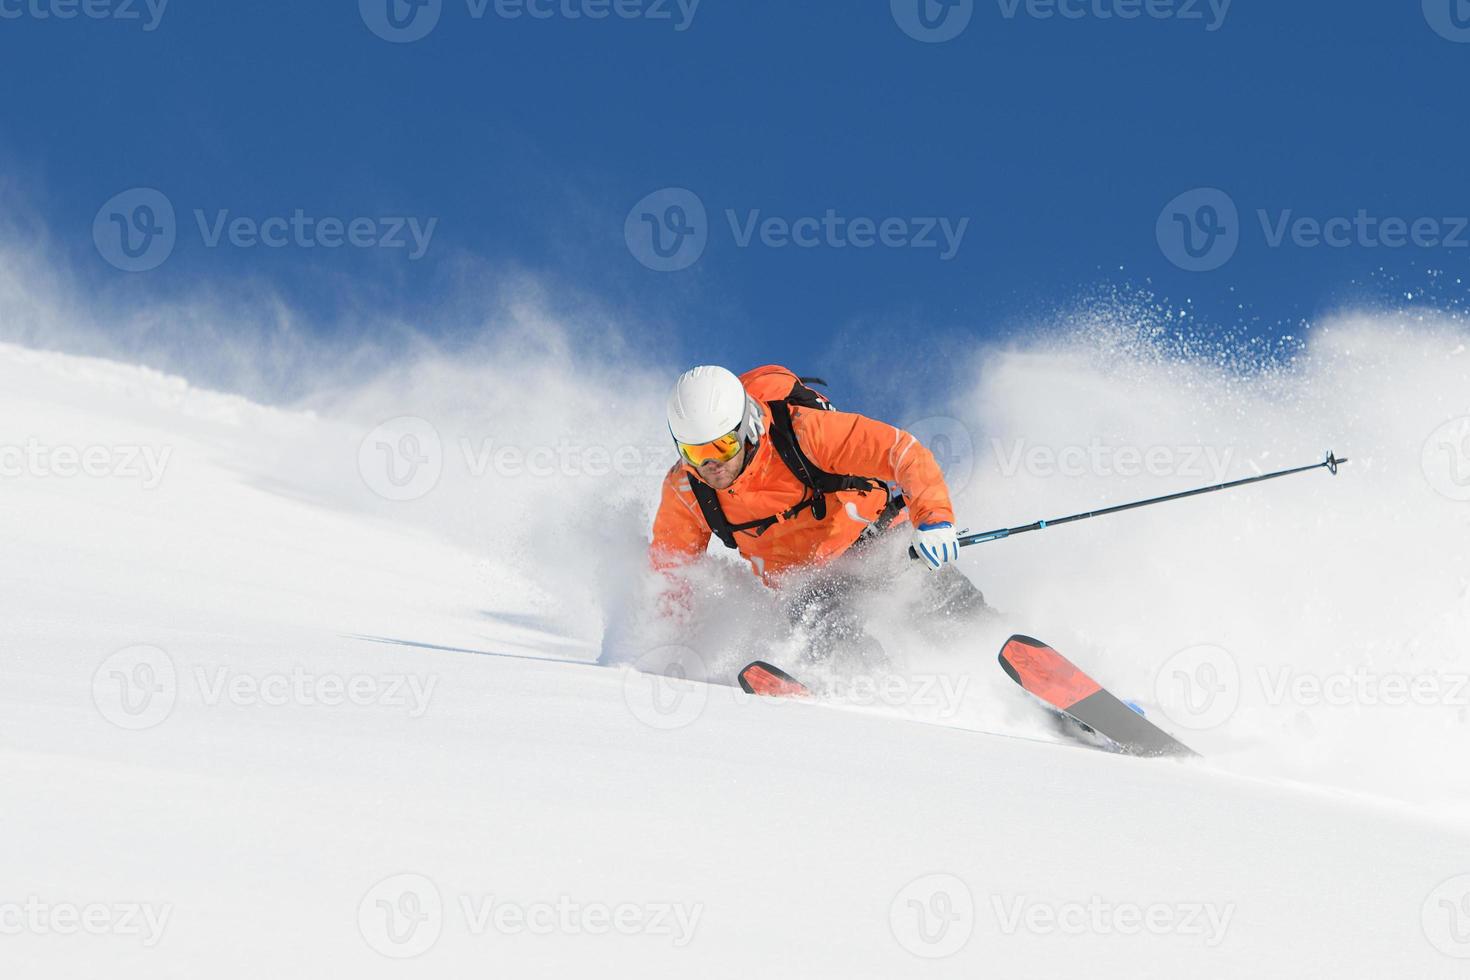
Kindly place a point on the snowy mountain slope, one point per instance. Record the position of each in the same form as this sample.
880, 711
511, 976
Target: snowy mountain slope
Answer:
242, 731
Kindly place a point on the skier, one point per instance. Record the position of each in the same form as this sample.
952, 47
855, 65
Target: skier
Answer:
809, 496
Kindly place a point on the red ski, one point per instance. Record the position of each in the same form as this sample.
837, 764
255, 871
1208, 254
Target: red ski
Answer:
1060, 683
763, 679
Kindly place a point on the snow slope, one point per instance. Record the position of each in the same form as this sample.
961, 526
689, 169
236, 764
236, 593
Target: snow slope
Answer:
257, 719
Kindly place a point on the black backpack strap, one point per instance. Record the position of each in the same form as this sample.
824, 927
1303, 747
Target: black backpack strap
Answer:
720, 526
821, 483
714, 514
808, 397
881, 524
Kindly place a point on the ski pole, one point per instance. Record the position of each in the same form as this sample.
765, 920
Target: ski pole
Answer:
1331, 463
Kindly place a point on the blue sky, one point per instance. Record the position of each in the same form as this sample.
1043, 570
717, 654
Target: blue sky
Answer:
1050, 147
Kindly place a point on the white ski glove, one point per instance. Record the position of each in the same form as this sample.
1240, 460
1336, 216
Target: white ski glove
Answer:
937, 544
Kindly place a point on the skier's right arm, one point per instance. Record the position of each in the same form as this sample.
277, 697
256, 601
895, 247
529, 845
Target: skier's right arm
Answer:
680, 534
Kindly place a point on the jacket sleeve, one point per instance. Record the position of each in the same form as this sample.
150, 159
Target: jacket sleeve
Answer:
680, 534
844, 442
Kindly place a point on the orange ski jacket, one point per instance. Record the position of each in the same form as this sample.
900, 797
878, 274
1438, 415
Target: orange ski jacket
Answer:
838, 442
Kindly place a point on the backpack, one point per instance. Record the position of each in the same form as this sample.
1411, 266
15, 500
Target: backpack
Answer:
780, 389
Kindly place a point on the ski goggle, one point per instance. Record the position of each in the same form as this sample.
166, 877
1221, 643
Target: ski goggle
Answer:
720, 450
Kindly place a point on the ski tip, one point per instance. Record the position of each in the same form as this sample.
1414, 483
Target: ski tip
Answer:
1044, 672
1017, 639
767, 680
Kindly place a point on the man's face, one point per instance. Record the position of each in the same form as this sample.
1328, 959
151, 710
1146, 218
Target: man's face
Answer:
721, 475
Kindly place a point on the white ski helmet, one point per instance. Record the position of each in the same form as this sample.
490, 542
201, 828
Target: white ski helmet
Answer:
708, 402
